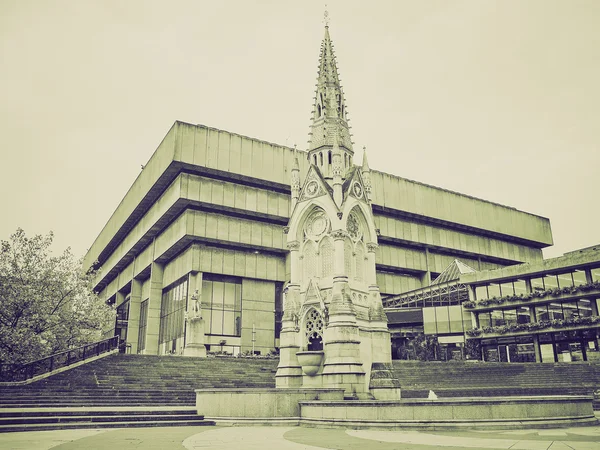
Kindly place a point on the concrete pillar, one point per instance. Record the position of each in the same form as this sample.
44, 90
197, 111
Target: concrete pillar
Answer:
154, 302
536, 348
133, 325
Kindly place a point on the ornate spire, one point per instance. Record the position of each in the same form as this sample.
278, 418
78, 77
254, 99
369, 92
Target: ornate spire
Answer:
366, 173
329, 114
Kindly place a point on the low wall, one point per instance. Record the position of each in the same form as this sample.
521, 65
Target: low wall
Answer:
259, 405
492, 412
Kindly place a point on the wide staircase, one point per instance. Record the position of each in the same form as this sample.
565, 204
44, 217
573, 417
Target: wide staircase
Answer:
467, 379
127, 390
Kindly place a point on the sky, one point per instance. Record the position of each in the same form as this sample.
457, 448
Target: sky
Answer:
499, 100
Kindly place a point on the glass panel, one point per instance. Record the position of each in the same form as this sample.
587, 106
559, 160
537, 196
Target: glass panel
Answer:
576, 351
565, 280
216, 324
563, 352
429, 321
585, 307
510, 316
537, 284
520, 287
570, 310
217, 295
229, 323
523, 315
579, 278
550, 282
547, 352
442, 319
545, 338
481, 292
497, 318
494, 290
555, 311
455, 313
238, 297
485, 319
596, 274
507, 289
541, 313
229, 297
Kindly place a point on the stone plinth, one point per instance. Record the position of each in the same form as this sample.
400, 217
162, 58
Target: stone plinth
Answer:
195, 338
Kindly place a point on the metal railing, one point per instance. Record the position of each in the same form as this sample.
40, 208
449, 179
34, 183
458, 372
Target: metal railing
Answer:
23, 372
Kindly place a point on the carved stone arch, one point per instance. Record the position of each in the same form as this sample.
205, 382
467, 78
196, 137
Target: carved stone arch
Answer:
364, 216
303, 212
326, 251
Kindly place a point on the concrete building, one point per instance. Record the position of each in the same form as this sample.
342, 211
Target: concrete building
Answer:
544, 311
201, 231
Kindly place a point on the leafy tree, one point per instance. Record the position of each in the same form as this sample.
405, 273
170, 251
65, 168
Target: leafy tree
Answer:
46, 302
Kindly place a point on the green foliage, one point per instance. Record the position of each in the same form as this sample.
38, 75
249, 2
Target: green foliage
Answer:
46, 302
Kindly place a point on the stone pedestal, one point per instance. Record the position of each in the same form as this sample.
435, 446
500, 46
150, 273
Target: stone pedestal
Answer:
195, 338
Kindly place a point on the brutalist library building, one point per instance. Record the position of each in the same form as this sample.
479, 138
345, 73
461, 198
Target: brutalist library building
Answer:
205, 220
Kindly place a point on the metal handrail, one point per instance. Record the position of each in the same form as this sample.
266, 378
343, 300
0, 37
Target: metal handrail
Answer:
23, 372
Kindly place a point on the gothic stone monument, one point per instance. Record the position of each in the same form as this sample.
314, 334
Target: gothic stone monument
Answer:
334, 330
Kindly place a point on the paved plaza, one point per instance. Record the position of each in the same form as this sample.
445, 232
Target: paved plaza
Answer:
298, 438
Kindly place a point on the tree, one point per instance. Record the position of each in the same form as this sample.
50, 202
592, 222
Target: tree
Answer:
46, 302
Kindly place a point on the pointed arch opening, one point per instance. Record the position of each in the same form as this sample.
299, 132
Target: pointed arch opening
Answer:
310, 261
329, 156
326, 254
313, 329
321, 158
359, 261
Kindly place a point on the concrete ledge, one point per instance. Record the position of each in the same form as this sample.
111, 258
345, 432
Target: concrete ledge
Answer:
489, 413
243, 405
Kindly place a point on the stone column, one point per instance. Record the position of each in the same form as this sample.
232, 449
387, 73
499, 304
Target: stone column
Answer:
383, 385
154, 302
133, 326
289, 371
343, 365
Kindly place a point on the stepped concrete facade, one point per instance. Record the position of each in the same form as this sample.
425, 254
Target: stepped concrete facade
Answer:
196, 253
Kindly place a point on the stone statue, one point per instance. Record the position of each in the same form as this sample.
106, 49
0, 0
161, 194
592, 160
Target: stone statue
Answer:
197, 305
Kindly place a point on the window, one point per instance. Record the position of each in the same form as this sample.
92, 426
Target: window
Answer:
481, 292
541, 313
510, 316
570, 310
579, 278
555, 311
321, 158
537, 285
326, 253
565, 280
520, 287
596, 274
550, 282
222, 305
507, 289
143, 326
585, 307
485, 319
523, 315
172, 311
497, 318
493, 290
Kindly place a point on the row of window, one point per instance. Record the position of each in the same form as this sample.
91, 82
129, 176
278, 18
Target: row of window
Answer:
318, 262
523, 314
543, 283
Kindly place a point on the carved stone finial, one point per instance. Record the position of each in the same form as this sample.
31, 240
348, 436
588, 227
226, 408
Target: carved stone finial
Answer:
286, 230
372, 246
338, 234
